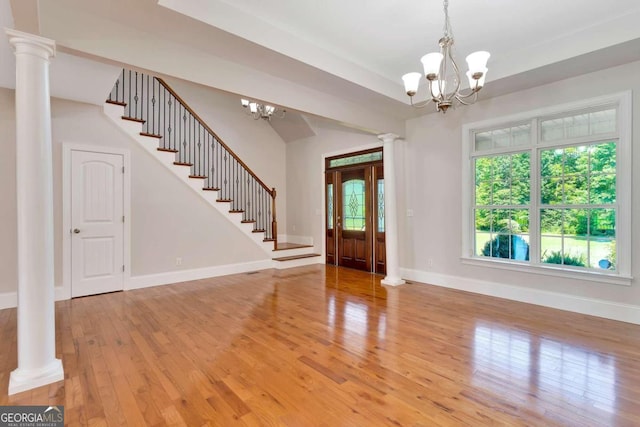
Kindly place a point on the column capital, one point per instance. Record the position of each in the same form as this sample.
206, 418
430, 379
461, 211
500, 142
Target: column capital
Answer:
29, 43
388, 137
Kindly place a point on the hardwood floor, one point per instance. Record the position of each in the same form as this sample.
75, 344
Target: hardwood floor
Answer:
325, 346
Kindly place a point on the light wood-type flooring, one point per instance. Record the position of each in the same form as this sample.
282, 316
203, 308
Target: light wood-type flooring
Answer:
324, 346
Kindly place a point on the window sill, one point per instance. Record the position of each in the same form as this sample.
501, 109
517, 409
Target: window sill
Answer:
548, 270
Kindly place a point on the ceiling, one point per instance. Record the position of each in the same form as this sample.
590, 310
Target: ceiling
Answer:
336, 59
389, 38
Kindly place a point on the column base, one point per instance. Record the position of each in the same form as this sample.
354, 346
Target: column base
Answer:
23, 380
392, 281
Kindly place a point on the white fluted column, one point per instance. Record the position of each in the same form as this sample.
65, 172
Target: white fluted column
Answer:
37, 364
390, 212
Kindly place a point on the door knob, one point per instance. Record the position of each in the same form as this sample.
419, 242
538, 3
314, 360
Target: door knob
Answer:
76, 230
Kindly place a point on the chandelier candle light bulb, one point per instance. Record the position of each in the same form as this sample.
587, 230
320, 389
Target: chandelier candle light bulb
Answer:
261, 111
440, 68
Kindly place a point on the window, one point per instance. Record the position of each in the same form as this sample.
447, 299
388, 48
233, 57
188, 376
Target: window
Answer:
502, 197
365, 157
551, 189
380, 205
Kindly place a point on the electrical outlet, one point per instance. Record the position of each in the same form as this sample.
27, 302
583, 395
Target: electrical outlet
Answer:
178, 261
430, 263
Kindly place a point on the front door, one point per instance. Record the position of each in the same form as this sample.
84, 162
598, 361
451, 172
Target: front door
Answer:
355, 211
97, 221
353, 223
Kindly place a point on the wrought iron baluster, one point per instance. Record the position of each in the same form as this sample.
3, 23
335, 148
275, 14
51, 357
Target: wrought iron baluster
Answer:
166, 135
129, 103
135, 97
144, 125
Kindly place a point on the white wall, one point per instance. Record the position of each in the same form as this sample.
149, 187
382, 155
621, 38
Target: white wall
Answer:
168, 219
8, 215
305, 176
254, 141
432, 187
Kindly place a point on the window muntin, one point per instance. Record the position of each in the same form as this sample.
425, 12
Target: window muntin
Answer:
575, 206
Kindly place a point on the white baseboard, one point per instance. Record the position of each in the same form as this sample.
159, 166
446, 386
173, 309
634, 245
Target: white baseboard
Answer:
62, 293
8, 300
591, 306
148, 280
299, 240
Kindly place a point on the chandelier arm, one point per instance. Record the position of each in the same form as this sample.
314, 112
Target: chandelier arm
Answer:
420, 104
461, 99
471, 93
442, 78
456, 70
434, 98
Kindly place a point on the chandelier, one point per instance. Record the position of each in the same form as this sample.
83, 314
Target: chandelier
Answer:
443, 74
261, 111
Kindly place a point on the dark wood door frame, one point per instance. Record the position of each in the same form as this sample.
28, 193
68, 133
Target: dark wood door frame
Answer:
361, 249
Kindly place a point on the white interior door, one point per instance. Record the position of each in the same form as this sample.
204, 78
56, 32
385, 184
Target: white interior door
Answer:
97, 223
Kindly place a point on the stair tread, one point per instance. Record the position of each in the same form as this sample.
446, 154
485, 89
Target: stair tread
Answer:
182, 164
210, 189
167, 150
292, 257
133, 119
152, 135
283, 246
120, 103
224, 200
198, 176
248, 221
259, 230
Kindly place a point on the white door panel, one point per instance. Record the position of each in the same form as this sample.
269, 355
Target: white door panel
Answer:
97, 252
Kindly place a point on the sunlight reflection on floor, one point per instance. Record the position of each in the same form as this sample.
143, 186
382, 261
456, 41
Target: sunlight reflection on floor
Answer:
518, 365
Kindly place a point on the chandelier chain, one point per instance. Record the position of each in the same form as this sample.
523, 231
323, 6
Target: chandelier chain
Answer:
447, 24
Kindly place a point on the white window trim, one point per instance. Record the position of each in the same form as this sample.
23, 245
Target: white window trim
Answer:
623, 186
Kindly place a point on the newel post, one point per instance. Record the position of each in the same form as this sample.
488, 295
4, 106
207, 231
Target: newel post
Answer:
274, 222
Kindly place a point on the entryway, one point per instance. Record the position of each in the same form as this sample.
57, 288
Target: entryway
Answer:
354, 213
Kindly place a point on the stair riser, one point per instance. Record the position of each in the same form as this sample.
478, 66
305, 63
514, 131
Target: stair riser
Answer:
293, 252
282, 265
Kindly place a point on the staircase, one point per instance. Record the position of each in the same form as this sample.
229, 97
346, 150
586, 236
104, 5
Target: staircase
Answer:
150, 112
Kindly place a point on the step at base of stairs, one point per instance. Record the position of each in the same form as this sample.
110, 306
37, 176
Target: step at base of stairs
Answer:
283, 246
294, 257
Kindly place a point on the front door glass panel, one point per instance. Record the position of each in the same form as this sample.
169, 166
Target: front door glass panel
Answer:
353, 205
